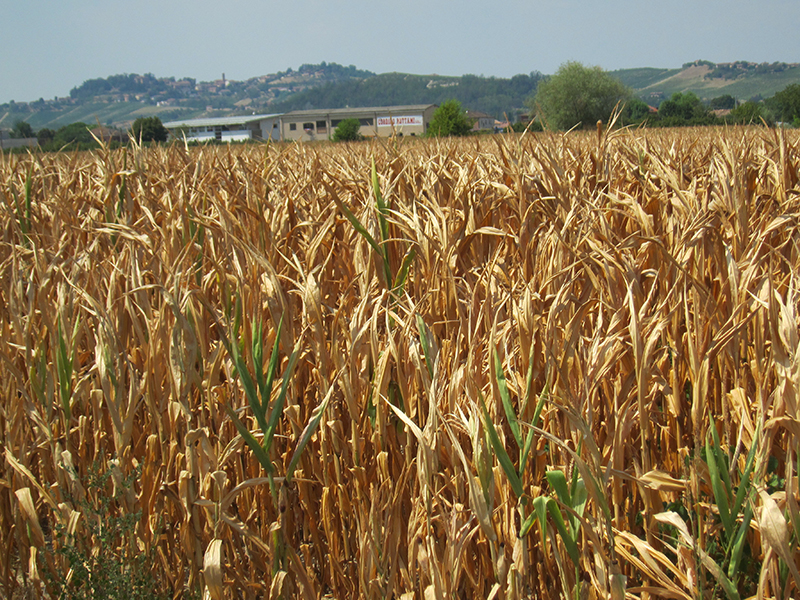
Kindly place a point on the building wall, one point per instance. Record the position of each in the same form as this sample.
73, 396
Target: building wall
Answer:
383, 122
7, 143
270, 129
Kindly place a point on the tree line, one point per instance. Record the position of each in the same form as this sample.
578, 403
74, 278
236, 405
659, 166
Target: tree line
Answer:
579, 96
80, 135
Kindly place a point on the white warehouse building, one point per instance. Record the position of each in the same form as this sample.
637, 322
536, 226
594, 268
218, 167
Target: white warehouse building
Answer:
227, 129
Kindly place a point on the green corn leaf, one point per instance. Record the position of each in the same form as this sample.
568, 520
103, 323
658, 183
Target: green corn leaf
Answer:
527, 524
257, 352
561, 526
500, 451
540, 512
272, 368
540, 405
423, 340
247, 383
720, 494
305, 436
502, 384
580, 497
558, 481
248, 437
402, 274
277, 409
745, 485
382, 211
526, 450
366, 235
64, 366
738, 542
528, 384
722, 461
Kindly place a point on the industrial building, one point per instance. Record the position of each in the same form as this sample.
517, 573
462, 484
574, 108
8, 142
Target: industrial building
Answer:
308, 125
227, 129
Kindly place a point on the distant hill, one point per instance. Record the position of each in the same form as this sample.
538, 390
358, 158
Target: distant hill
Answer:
119, 99
491, 95
742, 80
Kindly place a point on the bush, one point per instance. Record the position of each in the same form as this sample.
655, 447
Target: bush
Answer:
348, 131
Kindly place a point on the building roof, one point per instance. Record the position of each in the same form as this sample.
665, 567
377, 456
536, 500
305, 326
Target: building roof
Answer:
218, 121
359, 110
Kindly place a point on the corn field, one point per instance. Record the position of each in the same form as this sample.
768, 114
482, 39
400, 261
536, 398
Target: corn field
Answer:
538, 366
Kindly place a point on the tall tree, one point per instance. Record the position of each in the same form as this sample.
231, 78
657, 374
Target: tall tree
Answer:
577, 96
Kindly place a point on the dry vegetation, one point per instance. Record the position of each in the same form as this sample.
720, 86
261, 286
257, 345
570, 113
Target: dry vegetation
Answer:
548, 366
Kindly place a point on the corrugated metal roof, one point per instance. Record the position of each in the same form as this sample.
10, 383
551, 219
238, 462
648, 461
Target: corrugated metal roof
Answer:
358, 111
218, 121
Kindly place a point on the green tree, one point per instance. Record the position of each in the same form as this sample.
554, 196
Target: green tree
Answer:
22, 129
577, 96
449, 119
722, 102
74, 133
747, 113
786, 103
635, 111
685, 106
150, 129
347, 131
45, 136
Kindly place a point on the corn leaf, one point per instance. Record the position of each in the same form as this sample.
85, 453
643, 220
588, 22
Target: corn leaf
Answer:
500, 451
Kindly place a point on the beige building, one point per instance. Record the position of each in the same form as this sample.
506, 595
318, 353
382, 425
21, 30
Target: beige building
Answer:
481, 121
309, 125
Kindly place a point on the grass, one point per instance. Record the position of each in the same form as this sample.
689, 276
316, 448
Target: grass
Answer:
527, 366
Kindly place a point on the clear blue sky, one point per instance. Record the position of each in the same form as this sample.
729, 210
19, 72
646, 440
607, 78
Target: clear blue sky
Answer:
50, 46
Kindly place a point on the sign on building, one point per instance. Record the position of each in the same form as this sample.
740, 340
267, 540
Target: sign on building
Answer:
399, 121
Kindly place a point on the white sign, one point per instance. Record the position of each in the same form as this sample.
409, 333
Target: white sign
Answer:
399, 121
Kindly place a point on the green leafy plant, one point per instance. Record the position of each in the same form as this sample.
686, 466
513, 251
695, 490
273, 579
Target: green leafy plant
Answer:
348, 130
121, 571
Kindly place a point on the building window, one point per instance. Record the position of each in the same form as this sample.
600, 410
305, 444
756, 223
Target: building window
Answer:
366, 122
308, 126
292, 126
322, 127
335, 123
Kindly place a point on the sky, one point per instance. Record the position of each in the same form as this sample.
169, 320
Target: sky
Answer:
50, 46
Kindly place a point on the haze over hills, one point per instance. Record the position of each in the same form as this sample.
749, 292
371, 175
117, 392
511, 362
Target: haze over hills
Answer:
119, 99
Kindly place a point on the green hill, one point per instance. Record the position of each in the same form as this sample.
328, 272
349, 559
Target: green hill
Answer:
742, 80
